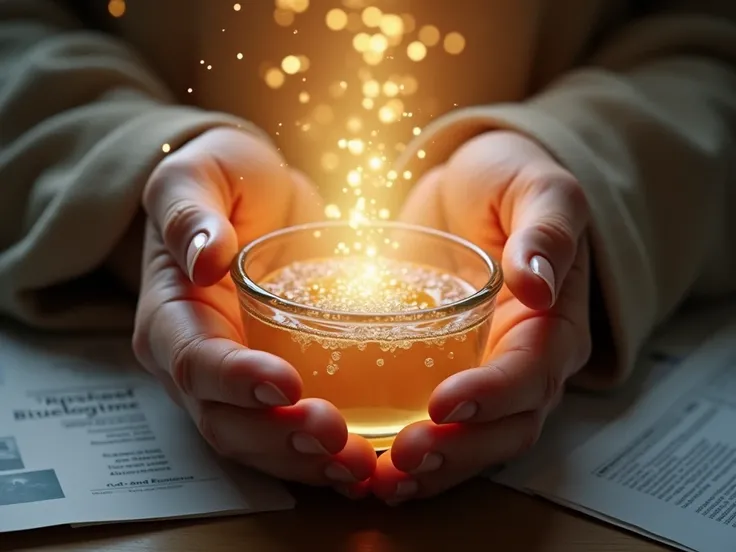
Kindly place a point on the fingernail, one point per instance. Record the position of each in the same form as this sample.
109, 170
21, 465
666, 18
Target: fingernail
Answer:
196, 246
338, 472
404, 490
431, 462
541, 267
270, 395
462, 412
306, 444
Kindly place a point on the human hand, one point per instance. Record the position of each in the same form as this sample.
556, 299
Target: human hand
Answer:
506, 194
221, 190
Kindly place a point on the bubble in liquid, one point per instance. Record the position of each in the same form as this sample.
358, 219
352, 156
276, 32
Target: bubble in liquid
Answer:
379, 362
332, 368
315, 373
335, 355
450, 355
428, 362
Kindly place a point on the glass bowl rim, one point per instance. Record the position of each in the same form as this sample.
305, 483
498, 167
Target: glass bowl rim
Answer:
487, 292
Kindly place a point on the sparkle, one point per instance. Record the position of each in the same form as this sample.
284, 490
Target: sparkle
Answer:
166, 148
236, 7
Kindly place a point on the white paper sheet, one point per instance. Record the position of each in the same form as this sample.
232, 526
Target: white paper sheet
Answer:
87, 437
667, 465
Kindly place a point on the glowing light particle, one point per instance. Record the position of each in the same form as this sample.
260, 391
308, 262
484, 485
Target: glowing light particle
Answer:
291, 65
356, 147
384, 214
354, 125
332, 211
236, 7
330, 161
391, 25
240, 55
371, 89
299, 6
116, 8
416, 51
421, 154
392, 175
361, 42
166, 148
429, 35
375, 163
354, 179
367, 103
378, 43
283, 18
390, 89
454, 43
274, 78
371, 16
416, 131
336, 19
303, 97
407, 175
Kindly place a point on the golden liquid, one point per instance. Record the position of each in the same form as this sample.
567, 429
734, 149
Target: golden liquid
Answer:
379, 378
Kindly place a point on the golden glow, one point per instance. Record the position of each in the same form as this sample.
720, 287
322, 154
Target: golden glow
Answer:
429, 35
274, 78
116, 8
291, 65
283, 18
454, 43
336, 19
416, 51
371, 111
166, 148
236, 7
371, 16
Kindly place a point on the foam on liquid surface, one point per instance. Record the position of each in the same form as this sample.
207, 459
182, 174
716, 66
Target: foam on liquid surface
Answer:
365, 285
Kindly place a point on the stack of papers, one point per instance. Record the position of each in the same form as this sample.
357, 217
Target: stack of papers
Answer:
87, 437
658, 457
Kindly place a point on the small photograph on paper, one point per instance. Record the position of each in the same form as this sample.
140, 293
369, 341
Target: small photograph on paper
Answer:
10, 458
35, 486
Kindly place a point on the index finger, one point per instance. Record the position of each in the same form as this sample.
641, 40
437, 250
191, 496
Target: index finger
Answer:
192, 335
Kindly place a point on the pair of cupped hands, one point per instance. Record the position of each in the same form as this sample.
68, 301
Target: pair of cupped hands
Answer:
500, 190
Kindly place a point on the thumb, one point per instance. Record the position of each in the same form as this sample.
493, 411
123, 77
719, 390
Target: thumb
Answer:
192, 219
548, 218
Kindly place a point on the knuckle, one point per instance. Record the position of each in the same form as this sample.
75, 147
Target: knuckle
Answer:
178, 217
182, 352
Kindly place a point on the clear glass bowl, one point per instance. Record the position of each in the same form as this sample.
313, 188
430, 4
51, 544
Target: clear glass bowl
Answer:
378, 368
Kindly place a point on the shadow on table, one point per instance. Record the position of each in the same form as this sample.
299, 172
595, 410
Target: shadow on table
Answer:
477, 516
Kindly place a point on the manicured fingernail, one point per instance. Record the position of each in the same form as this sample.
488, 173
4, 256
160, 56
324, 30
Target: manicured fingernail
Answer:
541, 267
404, 490
431, 462
306, 444
338, 472
196, 246
462, 412
270, 395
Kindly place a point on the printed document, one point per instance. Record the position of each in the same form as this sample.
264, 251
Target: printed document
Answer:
87, 437
666, 466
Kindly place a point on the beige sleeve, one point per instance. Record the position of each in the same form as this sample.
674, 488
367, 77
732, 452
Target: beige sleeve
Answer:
649, 129
82, 124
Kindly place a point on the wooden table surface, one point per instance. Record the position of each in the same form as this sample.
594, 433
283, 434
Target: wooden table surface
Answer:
477, 516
